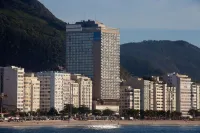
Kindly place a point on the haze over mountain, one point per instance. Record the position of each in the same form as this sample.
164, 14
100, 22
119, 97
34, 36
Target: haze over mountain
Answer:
33, 38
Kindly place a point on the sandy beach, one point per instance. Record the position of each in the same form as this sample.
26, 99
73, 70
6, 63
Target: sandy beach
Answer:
100, 122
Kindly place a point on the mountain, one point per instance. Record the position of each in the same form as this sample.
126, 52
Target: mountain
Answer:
30, 36
33, 38
160, 57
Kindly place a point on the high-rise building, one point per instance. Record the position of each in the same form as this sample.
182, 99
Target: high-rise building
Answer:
154, 93
31, 92
12, 83
85, 90
52, 85
183, 91
93, 50
56, 90
71, 93
164, 96
169, 98
195, 93
129, 99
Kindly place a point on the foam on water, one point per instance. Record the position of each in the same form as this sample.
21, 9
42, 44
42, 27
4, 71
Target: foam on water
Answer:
98, 127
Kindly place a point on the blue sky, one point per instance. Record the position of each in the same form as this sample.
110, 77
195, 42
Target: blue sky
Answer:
137, 19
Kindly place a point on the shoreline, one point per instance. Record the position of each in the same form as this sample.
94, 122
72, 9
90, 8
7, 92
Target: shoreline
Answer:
74, 123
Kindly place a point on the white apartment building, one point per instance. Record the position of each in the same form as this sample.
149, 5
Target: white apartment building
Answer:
85, 90
56, 90
12, 79
71, 93
93, 50
195, 93
147, 95
154, 93
129, 99
146, 91
52, 85
169, 98
183, 91
158, 91
31, 92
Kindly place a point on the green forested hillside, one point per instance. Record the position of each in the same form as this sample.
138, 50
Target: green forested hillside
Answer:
160, 57
30, 36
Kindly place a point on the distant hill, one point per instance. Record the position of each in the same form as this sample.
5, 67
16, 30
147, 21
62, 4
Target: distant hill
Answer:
159, 57
30, 36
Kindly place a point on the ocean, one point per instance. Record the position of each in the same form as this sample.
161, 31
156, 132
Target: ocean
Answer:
104, 129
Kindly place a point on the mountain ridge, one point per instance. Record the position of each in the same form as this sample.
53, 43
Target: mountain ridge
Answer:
161, 57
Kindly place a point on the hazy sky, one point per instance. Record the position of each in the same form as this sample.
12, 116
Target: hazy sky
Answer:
137, 19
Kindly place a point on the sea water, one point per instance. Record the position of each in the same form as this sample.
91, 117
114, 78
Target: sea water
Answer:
104, 129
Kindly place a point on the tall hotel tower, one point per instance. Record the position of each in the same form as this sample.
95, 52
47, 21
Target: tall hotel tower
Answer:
93, 50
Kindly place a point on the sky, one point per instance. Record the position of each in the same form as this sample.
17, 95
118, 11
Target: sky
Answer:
137, 20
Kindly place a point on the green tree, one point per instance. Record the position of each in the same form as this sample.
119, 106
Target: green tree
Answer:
176, 115
108, 112
96, 112
83, 110
52, 112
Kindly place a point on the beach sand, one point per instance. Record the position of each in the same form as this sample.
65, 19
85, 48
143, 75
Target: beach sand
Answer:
73, 123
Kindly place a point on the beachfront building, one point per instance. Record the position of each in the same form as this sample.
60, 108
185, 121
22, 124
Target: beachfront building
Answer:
183, 91
129, 99
52, 85
31, 92
93, 50
12, 84
169, 98
158, 92
146, 91
195, 93
71, 93
85, 89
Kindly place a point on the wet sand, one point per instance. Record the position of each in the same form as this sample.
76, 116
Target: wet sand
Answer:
57, 123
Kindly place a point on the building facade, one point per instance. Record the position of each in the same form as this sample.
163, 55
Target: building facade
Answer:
31, 92
129, 99
12, 79
169, 98
183, 91
52, 85
158, 99
93, 50
195, 93
71, 93
85, 90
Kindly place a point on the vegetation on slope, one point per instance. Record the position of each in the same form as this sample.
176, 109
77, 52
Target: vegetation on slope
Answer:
30, 36
161, 57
